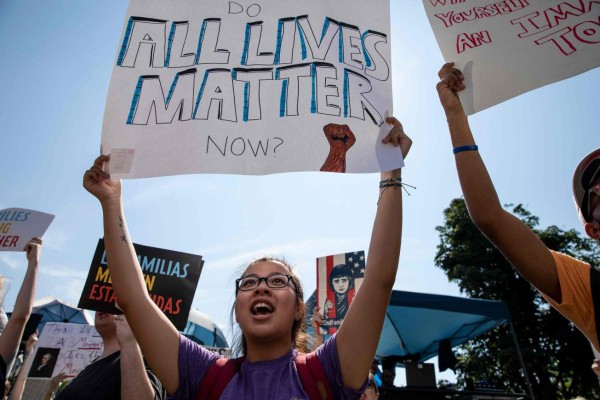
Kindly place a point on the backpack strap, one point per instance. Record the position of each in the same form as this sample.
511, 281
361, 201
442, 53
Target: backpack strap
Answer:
310, 370
217, 377
313, 378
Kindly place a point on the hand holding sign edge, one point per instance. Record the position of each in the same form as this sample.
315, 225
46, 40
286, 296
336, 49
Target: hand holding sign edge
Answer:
99, 184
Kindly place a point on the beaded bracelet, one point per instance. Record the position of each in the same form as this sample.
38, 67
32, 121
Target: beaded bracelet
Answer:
460, 149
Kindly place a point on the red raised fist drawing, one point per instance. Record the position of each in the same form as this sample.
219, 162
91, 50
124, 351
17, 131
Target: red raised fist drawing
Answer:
340, 139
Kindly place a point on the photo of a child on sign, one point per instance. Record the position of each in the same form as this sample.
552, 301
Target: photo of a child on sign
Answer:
338, 279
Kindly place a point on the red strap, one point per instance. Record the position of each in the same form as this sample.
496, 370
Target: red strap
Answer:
313, 378
217, 377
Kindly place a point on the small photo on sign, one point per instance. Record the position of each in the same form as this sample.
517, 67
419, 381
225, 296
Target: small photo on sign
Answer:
44, 362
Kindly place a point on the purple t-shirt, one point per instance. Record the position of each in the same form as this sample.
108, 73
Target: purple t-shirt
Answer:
273, 379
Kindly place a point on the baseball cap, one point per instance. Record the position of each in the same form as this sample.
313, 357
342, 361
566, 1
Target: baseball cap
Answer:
585, 174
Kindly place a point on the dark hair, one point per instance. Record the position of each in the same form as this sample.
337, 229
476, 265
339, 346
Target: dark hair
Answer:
298, 334
339, 271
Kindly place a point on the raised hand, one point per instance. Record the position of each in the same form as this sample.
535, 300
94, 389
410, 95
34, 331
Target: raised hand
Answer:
124, 333
450, 84
31, 342
317, 319
33, 249
396, 137
328, 306
98, 182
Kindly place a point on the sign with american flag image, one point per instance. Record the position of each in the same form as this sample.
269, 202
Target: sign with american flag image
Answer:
338, 279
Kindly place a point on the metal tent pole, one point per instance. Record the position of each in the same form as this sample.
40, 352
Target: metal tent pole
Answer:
514, 336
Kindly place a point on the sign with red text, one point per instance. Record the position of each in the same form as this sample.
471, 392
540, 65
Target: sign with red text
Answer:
19, 225
65, 348
253, 87
509, 47
338, 279
171, 278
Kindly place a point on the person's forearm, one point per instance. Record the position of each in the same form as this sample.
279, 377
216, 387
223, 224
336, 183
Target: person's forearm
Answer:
358, 336
153, 331
126, 276
50, 393
384, 249
18, 387
11, 336
477, 187
135, 383
25, 297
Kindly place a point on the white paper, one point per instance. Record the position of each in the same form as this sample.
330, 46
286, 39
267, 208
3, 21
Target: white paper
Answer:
506, 48
79, 345
217, 86
19, 225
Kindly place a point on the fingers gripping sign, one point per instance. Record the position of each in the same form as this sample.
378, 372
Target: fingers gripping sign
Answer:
98, 182
397, 137
452, 82
33, 248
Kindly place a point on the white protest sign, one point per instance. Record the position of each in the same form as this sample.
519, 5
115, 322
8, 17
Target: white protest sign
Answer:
213, 86
19, 225
509, 47
75, 346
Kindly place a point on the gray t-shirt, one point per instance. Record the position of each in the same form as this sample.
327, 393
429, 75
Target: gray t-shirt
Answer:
273, 379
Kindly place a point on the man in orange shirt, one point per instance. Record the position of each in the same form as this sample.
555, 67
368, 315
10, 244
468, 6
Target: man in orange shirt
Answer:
569, 285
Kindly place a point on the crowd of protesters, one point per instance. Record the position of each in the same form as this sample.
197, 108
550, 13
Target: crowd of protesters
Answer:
269, 300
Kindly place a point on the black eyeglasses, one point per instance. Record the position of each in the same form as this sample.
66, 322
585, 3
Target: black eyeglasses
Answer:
277, 281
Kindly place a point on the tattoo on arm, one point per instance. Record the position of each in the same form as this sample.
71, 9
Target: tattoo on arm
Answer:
123, 236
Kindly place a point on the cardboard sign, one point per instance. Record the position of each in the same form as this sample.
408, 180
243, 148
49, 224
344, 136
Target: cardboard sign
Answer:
509, 47
171, 278
257, 87
65, 347
19, 225
338, 279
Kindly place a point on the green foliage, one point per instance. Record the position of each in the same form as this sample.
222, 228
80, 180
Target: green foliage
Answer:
557, 356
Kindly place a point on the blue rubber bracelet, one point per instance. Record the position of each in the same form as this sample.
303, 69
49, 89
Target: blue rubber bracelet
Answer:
459, 149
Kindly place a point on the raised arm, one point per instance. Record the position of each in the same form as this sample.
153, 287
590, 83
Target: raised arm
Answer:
510, 235
55, 383
135, 379
11, 336
359, 334
157, 337
18, 386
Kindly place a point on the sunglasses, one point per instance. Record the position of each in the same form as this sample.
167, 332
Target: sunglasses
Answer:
593, 190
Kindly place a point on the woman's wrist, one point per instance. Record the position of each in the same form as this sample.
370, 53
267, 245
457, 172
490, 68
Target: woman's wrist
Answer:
454, 111
112, 203
393, 174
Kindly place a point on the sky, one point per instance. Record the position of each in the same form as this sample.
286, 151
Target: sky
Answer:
56, 60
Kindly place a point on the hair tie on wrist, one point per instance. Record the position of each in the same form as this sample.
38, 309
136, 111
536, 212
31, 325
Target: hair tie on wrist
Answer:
460, 149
